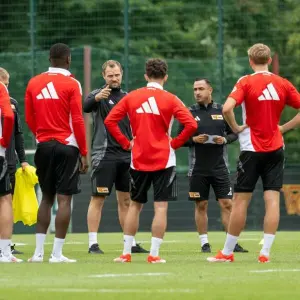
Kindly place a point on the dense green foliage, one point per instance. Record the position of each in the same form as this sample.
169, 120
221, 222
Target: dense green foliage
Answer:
185, 32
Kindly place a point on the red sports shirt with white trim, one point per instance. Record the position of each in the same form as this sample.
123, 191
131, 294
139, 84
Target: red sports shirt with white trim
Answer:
53, 108
6, 119
151, 112
263, 96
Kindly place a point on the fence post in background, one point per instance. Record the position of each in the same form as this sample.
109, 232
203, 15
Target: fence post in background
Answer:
221, 48
126, 44
275, 64
32, 31
87, 70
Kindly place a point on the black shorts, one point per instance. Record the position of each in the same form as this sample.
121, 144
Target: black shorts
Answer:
57, 168
12, 176
200, 186
252, 165
5, 186
164, 185
107, 174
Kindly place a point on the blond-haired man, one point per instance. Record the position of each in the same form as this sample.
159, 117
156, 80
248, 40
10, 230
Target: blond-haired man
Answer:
263, 96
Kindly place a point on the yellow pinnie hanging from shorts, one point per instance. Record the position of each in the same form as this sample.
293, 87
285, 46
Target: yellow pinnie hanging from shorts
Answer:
25, 204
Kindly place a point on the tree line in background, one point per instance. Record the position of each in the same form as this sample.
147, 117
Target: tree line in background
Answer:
182, 31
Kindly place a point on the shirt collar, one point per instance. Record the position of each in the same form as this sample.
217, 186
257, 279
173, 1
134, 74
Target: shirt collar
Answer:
60, 71
155, 85
260, 72
208, 105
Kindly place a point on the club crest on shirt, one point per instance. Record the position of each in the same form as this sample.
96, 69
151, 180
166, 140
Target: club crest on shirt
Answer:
194, 195
217, 117
102, 190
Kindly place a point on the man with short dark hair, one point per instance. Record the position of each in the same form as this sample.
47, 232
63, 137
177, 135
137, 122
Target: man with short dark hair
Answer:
151, 111
110, 163
53, 110
208, 160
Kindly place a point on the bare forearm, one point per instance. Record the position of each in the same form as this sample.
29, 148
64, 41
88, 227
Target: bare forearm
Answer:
230, 119
295, 122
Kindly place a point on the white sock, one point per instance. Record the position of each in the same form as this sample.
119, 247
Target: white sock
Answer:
203, 239
39, 244
57, 247
133, 242
155, 245
93, 238
5, 247
268, 242
230, 243
128, 239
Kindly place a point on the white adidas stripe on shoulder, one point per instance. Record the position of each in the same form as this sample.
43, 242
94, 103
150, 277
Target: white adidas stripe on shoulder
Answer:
79, 85
242, 78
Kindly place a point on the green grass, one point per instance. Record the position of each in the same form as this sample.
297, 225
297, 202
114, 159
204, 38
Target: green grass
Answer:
186, 275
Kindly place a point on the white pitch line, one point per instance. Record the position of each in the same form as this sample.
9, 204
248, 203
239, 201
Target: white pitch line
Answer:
165, 242
117, 291
274, 270
127, 275
67, 243
251, 233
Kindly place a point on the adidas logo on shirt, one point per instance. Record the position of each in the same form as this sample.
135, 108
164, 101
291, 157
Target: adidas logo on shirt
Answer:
149, 107
269, 93
48, 92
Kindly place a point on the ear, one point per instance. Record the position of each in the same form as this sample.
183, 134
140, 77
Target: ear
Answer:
166, 78
146, 77
251, 63
270, 61
69, 60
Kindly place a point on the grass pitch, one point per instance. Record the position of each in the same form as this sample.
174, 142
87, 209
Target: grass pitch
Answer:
186, 275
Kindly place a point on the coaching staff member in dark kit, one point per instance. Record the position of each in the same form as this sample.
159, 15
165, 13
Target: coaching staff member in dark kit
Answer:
110, 163
208, 160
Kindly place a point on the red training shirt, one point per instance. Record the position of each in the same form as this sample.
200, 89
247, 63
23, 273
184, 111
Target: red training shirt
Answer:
151, 112
263, 96
53, 108
6, 119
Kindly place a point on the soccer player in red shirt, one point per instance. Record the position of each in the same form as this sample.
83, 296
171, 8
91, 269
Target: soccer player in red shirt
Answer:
151, 111
6, 211
53, 111
263, 96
